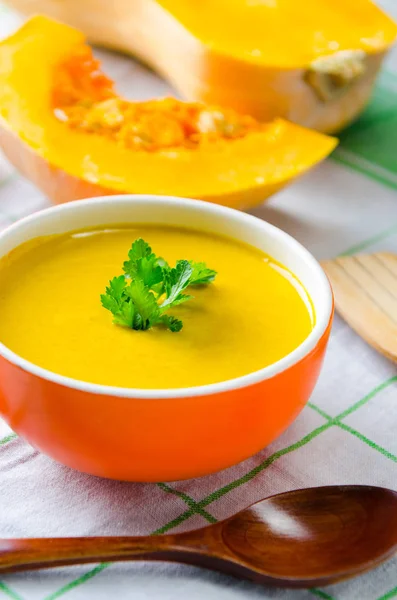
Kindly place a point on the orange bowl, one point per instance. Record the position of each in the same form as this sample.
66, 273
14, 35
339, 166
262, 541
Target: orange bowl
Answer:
170, 434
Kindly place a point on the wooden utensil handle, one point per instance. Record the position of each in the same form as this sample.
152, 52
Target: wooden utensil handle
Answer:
40, 553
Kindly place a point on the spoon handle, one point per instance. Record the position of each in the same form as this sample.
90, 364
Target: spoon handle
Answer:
41, 553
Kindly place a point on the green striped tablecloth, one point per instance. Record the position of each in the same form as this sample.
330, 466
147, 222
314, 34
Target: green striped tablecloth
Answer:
347, 433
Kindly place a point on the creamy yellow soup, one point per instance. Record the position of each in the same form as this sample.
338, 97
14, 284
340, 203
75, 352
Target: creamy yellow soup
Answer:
253, 314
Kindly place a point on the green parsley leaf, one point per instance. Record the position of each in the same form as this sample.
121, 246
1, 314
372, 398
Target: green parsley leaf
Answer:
116, 289
139, 249
143, 264
201, 274
147, 311
134, 298
172, 323
116, 301
175, 281
125, 315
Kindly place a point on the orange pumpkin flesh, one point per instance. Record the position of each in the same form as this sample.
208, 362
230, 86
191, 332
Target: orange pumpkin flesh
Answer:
85, 99
68, 161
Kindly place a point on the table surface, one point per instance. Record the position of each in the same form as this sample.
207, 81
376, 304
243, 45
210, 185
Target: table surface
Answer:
346, 435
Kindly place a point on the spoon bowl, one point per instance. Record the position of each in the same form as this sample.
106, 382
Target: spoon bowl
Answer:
308, 537
316, 535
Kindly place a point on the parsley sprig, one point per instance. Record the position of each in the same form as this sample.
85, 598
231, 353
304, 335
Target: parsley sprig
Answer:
150, 287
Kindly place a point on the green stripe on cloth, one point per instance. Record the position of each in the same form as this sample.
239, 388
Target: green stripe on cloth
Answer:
379, 388
262, 466
338, 419
391, 594
319, 410
8, 592
366, 167
320, 594
174, 523
368, 397
76, 582
367, 441
368, 145
8, 438
331, 421
189, 501
379, 237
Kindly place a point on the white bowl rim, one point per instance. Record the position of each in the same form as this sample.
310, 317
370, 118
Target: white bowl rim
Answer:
307, 346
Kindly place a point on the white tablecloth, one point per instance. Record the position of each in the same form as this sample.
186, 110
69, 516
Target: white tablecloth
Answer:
346, 435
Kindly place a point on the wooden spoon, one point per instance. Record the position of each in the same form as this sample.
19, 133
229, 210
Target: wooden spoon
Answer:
302, 538
365, 288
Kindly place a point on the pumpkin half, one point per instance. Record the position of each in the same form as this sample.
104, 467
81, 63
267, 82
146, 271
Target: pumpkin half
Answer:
63, 126
312, 62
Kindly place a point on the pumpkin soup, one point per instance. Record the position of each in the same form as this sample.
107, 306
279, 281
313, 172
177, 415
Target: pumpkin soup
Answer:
252, 314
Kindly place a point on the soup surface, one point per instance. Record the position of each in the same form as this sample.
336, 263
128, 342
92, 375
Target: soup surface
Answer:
253, 314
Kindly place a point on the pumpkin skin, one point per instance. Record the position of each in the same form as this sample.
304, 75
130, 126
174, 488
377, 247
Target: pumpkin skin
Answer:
324, 91
68, 164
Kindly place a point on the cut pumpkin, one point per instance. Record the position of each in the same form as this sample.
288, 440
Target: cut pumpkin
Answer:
63, 126
312, 62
